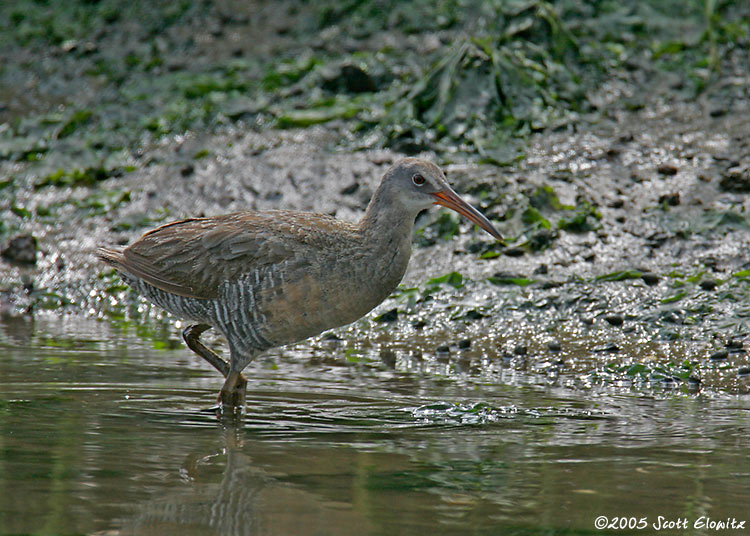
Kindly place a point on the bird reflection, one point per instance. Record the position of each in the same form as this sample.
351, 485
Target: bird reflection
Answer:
224, 490
230, 505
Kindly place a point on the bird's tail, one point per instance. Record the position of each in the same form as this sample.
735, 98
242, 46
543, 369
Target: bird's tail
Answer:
113, 257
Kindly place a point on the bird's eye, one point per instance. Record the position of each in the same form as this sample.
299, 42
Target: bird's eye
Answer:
417, 179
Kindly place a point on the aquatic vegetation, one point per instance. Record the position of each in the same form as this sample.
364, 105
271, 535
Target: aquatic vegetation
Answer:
585, 218
443, 227
620, 275
79, 177
687, 373
510, 279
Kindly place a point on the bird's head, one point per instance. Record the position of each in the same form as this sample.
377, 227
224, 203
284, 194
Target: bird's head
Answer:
419, 184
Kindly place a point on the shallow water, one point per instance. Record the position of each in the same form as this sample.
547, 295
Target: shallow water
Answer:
101, 433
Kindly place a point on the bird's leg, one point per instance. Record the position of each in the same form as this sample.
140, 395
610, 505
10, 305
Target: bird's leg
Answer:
232, 394
191, 335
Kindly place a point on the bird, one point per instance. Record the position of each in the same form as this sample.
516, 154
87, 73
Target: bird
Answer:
266, 279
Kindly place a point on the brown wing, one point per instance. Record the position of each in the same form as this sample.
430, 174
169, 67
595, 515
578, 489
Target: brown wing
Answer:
194, 257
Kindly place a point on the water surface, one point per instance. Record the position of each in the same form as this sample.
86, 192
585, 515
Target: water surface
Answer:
101, 433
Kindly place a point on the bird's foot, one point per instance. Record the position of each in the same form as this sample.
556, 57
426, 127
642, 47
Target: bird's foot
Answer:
233, 393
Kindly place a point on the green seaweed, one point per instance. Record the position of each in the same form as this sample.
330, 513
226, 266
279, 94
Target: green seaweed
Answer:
621, 275
531, 216
453, 279
288, 71
315, 116
586, 218
89, 176
674, 298
444, 227
685, 371
520, 281
544, 198
77, 118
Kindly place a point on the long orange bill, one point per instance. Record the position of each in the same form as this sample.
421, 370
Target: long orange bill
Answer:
449, 198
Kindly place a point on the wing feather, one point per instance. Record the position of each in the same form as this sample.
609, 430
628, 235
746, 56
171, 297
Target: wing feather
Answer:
194, 257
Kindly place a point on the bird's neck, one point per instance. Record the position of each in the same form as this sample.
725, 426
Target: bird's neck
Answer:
386, 230
386, 220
